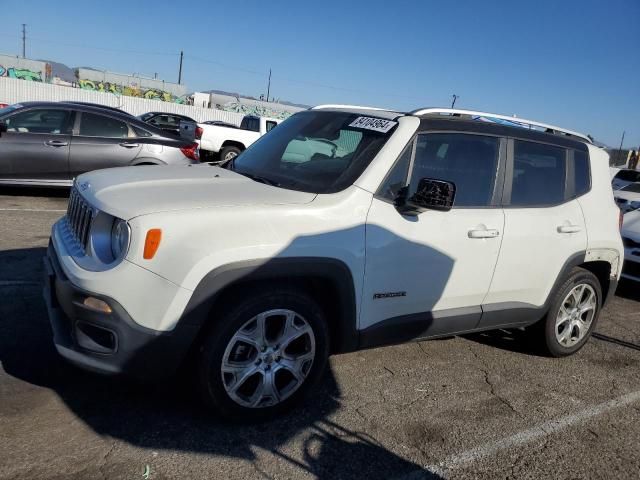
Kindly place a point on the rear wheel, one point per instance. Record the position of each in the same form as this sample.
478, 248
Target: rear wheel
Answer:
264, 355
229, 153
573, 314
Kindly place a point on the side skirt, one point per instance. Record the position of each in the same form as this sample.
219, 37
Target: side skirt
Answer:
456, 321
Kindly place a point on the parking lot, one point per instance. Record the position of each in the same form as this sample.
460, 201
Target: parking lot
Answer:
483, 406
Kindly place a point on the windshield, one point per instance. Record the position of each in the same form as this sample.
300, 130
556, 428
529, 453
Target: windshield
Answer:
8, 109
315, 151
632, 187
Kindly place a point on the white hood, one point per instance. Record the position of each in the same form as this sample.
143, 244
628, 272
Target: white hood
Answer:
133, 191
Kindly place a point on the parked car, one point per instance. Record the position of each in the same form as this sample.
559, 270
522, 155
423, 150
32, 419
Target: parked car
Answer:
50, 143
621, 177
631, 241
230, 141
628, 197
169, 122
386, 228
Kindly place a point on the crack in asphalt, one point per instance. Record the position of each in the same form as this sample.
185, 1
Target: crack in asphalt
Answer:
492, 388
104, 460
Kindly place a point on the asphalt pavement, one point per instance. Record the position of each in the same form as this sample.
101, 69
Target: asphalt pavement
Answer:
483, 406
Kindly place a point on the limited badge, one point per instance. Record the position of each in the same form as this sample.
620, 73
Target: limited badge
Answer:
375, 124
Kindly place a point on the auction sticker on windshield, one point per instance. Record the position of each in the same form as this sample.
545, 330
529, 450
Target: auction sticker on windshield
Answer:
376, 124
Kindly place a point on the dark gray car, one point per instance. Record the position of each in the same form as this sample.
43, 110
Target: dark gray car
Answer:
50, 143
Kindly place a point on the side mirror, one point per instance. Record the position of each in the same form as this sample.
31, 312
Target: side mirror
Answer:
430, 195
3, 128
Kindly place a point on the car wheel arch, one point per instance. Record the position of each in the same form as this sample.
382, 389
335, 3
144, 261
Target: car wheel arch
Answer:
328, 280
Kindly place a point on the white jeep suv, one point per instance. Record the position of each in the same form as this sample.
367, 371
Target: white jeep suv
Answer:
344, 228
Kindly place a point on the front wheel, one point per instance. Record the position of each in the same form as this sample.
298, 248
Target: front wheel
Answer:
573, 314
264, 355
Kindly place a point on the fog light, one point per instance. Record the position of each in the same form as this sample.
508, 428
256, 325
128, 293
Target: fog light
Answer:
96, 304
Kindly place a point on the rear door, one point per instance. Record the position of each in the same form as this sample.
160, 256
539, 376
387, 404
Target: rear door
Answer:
36, 145
100, 141
544, 228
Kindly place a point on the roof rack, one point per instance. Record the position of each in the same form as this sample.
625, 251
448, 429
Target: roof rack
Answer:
531, 124
358, 107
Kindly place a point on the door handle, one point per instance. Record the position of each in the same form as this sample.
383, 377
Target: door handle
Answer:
484, 233
569, 228
129, 145
56, 143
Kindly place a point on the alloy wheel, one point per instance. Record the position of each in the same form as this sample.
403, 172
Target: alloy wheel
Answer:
268, 358
576, 315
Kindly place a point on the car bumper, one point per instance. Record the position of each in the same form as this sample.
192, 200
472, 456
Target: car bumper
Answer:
108, 343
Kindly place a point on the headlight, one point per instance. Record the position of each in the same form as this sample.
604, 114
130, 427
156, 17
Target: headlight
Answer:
119, 238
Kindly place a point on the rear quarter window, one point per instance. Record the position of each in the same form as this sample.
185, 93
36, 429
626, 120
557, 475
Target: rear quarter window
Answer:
581, 172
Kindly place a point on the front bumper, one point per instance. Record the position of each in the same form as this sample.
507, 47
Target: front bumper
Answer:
108, 343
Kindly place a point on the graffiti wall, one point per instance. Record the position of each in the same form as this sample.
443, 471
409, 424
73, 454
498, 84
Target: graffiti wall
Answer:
24, 69
129, 90
21, 73
257, 110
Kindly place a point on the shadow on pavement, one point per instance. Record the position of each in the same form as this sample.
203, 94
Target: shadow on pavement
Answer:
168, 416
629, 290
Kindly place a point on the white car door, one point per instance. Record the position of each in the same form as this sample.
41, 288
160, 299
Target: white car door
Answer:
428, 274
544, 229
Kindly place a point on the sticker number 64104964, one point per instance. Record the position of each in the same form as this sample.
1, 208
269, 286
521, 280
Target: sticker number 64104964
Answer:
376, 124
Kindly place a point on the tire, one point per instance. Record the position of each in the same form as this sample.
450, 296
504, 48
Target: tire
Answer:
564, 333
241, 395
229, 153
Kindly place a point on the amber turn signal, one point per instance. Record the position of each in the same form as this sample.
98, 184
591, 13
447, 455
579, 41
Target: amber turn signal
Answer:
151, 243
96, 305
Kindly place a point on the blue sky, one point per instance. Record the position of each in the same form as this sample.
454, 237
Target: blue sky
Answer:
575, 63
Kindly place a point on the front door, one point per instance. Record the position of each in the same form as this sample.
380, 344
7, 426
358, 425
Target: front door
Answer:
102, 141
428, 274
36, 145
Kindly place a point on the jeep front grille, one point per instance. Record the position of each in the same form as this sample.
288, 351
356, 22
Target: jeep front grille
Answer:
79, 218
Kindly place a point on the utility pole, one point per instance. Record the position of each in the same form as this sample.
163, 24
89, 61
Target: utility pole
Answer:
269, 85
455, 97
24, 40
180, 70
621, 142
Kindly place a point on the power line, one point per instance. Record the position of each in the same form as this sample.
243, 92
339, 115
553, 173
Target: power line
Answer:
106, 49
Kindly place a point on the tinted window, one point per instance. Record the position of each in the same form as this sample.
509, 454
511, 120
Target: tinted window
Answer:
46, 121
250, 123
270, 125
632, 187
539, 173
469, 161
397, 177
92, 125
140, 132
582, 175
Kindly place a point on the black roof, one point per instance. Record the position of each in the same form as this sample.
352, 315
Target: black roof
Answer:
461, 124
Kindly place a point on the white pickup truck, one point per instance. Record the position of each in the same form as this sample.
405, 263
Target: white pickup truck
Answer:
229, 141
